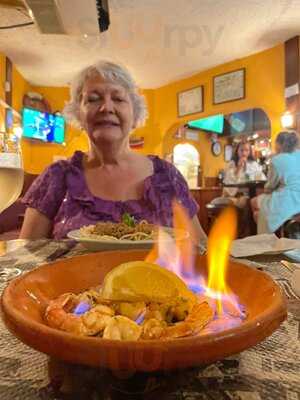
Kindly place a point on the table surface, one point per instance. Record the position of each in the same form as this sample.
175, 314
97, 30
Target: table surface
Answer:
267, 371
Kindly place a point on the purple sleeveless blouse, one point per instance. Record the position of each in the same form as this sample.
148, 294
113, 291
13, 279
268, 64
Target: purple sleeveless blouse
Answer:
62, 195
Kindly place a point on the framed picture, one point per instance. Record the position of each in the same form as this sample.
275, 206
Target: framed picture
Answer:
216, 148
228, 150
190, 101
229, 86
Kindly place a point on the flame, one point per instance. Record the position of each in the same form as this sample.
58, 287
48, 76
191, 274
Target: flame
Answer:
178, 255
221, 235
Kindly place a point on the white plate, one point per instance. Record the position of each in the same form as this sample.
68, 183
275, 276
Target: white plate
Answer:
98, 244
293, 255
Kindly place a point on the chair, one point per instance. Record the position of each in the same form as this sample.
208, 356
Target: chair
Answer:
245, 223
11, 219
213, 210
291, 228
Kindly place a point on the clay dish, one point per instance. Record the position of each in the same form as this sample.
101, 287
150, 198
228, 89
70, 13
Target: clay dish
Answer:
24, 301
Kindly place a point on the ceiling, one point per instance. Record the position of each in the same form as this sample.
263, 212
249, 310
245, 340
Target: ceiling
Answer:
160, 41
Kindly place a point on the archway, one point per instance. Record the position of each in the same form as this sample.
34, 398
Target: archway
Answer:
186, 158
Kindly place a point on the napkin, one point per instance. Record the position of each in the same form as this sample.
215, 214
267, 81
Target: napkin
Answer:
262, 244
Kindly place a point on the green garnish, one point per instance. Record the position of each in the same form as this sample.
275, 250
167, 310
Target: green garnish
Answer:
128, 219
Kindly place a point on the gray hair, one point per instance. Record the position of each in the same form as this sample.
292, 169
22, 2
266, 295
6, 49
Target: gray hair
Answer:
288, 141
112, 73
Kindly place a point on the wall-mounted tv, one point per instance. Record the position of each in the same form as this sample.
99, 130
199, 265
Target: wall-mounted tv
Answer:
43, 126
214, 124
241, 122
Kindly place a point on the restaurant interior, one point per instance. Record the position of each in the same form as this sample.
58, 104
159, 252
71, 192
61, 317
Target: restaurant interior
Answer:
212, 92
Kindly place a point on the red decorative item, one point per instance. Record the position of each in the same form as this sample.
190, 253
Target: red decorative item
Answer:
36, 101
136, 142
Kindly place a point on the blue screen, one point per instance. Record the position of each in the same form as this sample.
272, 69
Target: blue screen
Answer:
214, 123
241, 122
43, 126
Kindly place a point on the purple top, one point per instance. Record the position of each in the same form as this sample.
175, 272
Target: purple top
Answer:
61, 193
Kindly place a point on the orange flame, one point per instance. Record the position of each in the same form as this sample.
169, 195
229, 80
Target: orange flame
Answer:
175, 253
221, 235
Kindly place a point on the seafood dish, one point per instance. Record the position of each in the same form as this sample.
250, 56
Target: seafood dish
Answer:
137, 301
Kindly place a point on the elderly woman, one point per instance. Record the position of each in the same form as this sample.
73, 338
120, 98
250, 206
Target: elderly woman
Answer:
281, 199
110, 179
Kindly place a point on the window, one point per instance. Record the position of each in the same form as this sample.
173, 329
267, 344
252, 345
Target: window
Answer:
187, 159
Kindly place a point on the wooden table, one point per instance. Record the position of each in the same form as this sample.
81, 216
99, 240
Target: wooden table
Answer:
252, 186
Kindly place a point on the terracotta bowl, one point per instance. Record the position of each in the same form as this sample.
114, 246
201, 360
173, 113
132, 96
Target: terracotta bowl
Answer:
25, 299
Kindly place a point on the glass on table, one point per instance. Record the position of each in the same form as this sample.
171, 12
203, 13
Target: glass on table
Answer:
8, 273
11, 169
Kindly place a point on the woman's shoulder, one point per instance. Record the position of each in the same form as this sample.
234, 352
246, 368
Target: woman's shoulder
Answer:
64, 164
286, 157
161, 165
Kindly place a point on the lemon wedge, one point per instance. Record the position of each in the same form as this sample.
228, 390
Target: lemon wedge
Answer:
143, 281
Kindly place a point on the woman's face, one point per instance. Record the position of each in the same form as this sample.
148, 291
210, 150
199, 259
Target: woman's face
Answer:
106, 110
244, 151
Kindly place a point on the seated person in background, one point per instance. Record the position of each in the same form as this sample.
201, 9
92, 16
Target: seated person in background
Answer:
110, 179
242, 168
281, 199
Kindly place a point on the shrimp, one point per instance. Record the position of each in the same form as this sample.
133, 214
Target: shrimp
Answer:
59, 315
131, 310
201, 314
91, 297
122, 328
153, 328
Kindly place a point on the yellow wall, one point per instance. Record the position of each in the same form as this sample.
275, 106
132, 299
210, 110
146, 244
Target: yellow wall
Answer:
264, 89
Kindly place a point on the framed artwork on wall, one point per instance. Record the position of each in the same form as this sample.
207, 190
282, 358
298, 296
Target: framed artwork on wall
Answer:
190, 101
216, 148
229, 86
228, 151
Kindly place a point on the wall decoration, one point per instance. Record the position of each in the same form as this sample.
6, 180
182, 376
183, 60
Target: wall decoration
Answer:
36, 101
216, 148
136, 142
190, 134
229, 86
180, 133
228, 151
190, 101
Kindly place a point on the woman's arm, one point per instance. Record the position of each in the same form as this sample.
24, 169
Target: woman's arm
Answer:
36, 225
273, 181
43, 199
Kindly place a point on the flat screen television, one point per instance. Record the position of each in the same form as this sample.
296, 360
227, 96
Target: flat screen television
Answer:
49, 128
214, 124
241, 122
